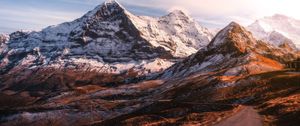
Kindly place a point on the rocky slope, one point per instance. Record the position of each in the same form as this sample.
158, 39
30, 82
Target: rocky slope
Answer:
278, 30
213, 83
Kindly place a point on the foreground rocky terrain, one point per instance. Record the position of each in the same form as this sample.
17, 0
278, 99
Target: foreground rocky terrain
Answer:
111, 67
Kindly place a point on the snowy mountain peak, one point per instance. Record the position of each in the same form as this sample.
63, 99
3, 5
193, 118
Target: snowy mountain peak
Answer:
178, 12
284, 26
231, 39
279, 39
105, 10
179, 15
279, 16
231, 26
112, 4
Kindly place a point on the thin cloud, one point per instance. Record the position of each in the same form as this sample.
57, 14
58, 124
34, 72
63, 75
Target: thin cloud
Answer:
33, 18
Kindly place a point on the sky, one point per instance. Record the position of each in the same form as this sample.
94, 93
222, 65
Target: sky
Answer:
38, 14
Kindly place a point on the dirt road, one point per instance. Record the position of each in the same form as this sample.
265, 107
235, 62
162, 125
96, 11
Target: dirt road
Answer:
246, 117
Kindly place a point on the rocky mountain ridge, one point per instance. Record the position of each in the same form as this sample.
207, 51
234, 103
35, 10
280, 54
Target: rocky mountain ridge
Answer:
233, 49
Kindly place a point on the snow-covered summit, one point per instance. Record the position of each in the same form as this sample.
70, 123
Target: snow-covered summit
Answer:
232, 38
111, 2
176, 32
179, 14
108, 8
285, 27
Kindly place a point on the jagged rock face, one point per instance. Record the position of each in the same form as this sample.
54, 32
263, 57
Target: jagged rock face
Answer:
286, 46
3, 44
176, 32
234, 52
276, 30
3, 38
233, 38
107, 37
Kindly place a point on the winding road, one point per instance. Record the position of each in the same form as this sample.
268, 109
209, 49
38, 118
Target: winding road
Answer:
246, 117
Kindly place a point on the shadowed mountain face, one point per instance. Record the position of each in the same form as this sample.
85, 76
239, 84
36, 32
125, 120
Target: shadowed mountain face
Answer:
111, 67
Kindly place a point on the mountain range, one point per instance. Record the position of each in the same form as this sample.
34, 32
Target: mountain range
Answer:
111, 67
108, 39
277, 29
